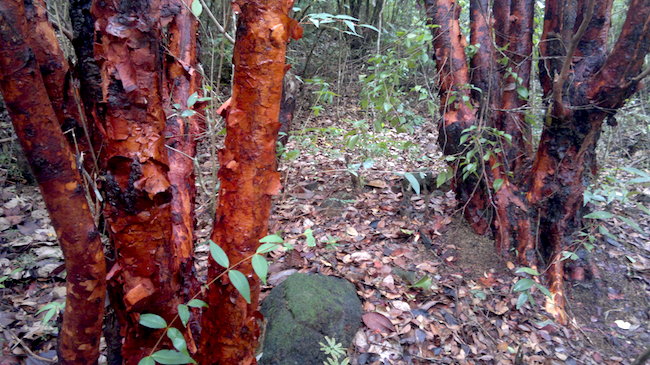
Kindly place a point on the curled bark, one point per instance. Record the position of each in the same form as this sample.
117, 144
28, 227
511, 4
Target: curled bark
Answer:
538, 208
56, 171
145, 277
248, 175
182, 80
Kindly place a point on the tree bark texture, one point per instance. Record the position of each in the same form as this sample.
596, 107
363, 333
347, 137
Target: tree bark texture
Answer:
248, 175
59, 79
182, 83
536, 198
141, 200
38, 128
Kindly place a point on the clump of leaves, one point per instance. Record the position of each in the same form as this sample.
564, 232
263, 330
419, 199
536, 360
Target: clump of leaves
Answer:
524, 285
180, 354
335, 352
51, 309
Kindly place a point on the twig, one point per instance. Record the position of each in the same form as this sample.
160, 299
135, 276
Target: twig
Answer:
558, 84
216, 23
28, 350
642, 75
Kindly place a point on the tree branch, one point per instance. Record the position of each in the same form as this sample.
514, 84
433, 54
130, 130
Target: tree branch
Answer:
622, 70
221, 29
558, 83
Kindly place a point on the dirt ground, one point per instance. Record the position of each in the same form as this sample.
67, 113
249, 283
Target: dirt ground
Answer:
411, 257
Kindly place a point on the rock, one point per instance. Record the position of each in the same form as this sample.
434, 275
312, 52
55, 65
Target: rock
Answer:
301, 311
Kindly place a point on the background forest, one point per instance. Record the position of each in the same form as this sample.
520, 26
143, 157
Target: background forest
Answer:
368, 195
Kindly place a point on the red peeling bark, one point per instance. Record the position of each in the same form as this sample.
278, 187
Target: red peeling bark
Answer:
55, 168
58, 78
248, 175
145, 277
458, 115
537, 208
182, 80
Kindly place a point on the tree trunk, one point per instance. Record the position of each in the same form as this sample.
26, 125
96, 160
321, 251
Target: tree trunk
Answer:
55, 168
290, 90
248, 175
535, 204
140, 198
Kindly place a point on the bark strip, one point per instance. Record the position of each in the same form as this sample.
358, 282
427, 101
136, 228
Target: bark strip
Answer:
56, 171
145, 277
248, 175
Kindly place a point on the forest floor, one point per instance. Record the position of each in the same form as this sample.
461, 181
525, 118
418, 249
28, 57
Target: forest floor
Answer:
437, 293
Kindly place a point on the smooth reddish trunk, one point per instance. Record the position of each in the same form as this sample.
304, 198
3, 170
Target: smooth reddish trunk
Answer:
248, 175
55, 168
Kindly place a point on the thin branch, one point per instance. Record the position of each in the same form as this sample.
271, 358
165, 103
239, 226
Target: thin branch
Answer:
568, 60
216, 23
642, 75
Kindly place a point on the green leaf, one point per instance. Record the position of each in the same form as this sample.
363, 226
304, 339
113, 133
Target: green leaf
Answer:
196, 8
218, 254
261, 267
369, 27
192, 100
497, 184
599, 215
415, 184
171, 357
464, 138
523, 284
187, 113
350, 26
522, 92
272, 238
197, 303
631, 223
544, 290
352, 141
424, 283
604, 231
527, 270
267, 247
183, 314
147, 361
177, 339
521, 300
241, 284
152, 320
441, 179
48, 315
643, 208
311, 241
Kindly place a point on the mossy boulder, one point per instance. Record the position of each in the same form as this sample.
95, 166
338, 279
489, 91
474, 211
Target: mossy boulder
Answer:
304, 309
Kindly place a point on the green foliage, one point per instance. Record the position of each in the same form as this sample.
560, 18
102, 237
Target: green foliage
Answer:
323, 93
309, 237
7, 277
152, 321
335, 352
180, 355
340, 22
413, 181
218, 254
524, 285
480, 145
51, 310
389, 87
